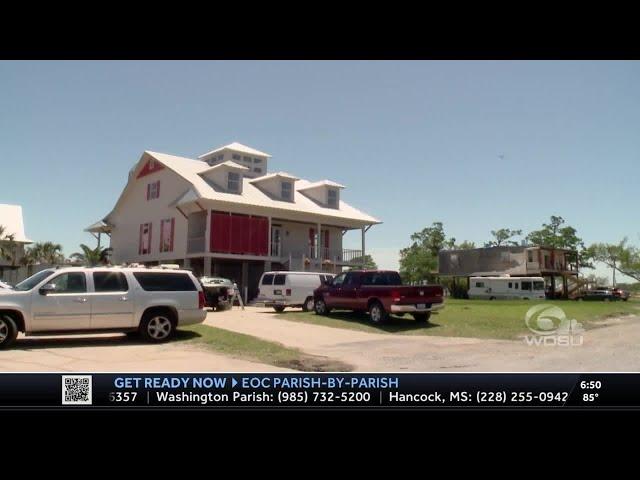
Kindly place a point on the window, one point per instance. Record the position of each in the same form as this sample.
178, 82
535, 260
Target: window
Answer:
164, 282
538, 285
381, 278
286, 190
235, 156
350, 279
144, 243
332, 197
529, 255
479, 284
110, 282
233, 182
153, 190
246, 159
257, 160
221, 157
515, 285
510, 285
74, 282
257, 170
267, 279
167, 228
32, 281
279, 279
526, 286
337, 281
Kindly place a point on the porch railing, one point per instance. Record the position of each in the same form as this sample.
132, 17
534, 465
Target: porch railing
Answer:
333, 255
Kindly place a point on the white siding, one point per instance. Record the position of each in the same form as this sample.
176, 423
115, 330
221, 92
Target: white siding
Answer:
135, 210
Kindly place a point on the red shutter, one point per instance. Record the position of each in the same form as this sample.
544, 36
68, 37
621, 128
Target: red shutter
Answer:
260, 236
148, 191
312, 237
140, 240
162, 235
173, 229
158, 189
326, 239
149, 244
220, 232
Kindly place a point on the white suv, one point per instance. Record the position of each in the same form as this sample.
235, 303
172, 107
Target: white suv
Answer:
65, 301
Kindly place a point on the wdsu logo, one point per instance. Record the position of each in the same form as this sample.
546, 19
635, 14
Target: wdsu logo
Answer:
550, 327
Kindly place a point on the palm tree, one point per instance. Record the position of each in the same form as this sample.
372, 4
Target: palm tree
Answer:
44, 252
7, 245
92, 256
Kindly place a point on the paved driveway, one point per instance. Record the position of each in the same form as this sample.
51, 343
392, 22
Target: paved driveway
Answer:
614, 347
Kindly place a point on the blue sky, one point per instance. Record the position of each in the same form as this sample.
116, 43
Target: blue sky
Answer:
414, 142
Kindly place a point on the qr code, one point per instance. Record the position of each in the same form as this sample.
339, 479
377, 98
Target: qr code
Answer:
76, 390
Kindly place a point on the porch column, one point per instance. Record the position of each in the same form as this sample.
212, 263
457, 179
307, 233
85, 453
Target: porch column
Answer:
319, 243
363, 245
187, 263
245, 280
269, 251
207, 233
207, 266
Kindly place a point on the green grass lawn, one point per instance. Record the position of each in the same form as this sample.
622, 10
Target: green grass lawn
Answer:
247, 347
503, 319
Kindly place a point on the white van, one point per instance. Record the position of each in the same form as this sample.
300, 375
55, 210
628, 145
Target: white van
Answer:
493, 288
290, 289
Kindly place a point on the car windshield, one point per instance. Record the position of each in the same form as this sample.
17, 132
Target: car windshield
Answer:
32, 281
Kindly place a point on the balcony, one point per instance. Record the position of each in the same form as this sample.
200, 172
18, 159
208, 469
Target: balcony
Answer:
337, 256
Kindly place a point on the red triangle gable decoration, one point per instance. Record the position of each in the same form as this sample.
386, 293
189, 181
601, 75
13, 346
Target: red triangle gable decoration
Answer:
150, 167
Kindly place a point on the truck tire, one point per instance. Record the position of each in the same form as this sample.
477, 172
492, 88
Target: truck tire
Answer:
377, 313
321, 307
279, 308
308, 304
422, 317
8, 331
157, 326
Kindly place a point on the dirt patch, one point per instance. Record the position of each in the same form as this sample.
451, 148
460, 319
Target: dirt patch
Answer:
315, 363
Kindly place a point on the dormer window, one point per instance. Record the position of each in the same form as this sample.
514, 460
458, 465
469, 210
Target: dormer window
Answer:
332, 197
286, 190
233, 182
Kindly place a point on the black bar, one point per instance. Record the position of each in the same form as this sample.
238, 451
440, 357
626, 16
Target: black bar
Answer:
321, 390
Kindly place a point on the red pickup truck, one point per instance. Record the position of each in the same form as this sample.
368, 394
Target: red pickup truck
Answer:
379, 292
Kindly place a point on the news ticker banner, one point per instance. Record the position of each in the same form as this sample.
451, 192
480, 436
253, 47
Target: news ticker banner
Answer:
300, 390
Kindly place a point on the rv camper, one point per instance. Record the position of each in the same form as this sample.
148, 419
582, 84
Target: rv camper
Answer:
493, 288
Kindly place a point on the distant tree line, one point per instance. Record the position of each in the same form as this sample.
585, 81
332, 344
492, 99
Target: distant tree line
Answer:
419, 261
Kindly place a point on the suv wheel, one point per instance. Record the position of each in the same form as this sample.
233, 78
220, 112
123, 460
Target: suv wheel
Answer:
308, 305
279, 308
8, 331
321, 307
157, 326
377, 313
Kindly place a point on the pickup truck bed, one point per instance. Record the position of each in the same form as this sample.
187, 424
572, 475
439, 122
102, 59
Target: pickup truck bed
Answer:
380, 293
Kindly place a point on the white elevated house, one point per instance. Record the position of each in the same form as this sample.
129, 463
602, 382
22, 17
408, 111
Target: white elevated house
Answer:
226, 214
13, 224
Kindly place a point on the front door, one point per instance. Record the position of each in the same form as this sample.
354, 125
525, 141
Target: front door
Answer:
276, 241
111, 301
65, 307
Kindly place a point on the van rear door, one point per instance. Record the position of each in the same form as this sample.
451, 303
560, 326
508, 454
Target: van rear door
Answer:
279, 286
